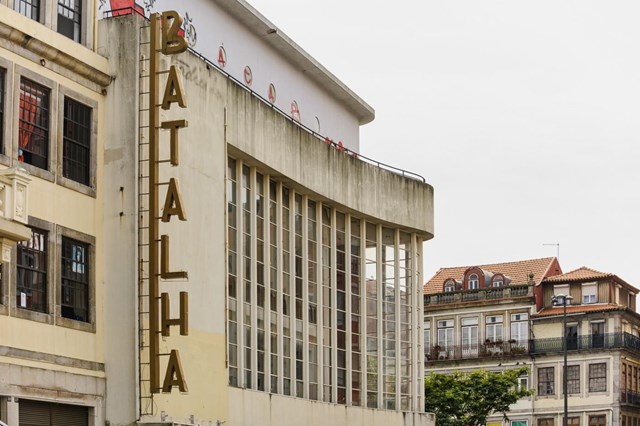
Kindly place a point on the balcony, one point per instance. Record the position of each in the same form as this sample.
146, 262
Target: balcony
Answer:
630, 397
489, 293
477, 350
533, 347
589, 341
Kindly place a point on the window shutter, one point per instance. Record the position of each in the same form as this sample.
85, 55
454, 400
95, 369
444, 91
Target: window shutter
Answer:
34, 413
69, 415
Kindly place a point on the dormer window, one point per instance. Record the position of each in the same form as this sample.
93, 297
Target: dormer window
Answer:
474, 282
449, 286
589, 293
497, 281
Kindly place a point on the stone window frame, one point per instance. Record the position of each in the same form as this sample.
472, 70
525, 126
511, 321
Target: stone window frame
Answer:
86, 16
90, 190
19, 73
552, 381
9, 278
573, 380
7, 128
90, 326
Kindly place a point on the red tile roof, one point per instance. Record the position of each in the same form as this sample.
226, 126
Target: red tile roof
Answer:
558, 310
518, 272
585, 274
580, 274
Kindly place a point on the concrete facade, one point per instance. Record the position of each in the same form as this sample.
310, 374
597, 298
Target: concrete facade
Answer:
228, 122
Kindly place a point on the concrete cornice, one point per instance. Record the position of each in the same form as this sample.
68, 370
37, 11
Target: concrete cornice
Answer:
261, 26
50, 53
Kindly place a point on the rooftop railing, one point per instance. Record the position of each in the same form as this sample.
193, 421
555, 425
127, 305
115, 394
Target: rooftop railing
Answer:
137, 10
489, 293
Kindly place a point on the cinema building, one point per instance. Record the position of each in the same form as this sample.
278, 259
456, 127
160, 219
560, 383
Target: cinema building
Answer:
233, 257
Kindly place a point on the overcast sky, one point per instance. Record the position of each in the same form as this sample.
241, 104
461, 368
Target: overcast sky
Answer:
524, 116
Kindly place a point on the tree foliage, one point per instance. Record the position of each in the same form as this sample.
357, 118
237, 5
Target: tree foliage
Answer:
463, 399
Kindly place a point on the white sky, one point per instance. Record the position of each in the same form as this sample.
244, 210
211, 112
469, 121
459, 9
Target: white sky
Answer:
524, 116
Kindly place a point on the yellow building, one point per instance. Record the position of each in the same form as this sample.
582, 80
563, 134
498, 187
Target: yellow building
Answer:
52, 363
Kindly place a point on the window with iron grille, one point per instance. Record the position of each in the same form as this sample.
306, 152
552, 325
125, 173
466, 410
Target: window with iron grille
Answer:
546, 385
33, 134
76, 157
75, 280
29, 8
69, 15
598, 377
31, 277
573, 379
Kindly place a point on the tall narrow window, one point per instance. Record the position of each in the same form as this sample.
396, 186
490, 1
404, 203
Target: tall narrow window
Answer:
445, 338
546, 381
598, 377
469, 337
494, 328
75, 280
474, 282
29, 8
573, 379
77, 141
520, 328
69, 13
33, 136
232, 270
31, 283
2, 102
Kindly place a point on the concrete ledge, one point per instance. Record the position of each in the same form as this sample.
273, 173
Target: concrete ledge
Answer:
50, 358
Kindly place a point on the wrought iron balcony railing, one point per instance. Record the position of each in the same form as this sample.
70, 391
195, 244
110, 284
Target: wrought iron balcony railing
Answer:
629, 396
589, 341
489, 293
477, 350
534, 346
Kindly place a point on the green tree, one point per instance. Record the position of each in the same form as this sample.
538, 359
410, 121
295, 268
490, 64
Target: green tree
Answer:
464, 399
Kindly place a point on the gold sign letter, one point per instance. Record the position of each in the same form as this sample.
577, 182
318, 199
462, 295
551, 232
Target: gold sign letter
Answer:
174, 126
173, 203
165, 274
174, 368
172, 41
182, 320
173, 91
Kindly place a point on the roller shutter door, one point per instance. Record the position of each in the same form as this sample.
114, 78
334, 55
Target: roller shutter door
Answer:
37, 413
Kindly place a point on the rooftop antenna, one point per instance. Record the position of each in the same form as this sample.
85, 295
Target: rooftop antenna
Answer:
557, 248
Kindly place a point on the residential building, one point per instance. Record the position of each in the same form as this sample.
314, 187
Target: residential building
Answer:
52, 364
476, 328
295, 290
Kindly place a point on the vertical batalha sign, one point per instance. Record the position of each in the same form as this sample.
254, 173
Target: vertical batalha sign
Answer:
166, 39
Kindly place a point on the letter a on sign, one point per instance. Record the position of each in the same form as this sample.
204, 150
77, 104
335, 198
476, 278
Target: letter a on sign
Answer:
173, 91
173, 203
172, 41
174, 376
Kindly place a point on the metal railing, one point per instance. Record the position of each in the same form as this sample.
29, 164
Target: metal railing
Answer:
337, 145
489, 293
629, 396
533, 346
477, 350
589, 341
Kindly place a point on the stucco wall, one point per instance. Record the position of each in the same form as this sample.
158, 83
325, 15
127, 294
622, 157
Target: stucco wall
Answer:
249, 408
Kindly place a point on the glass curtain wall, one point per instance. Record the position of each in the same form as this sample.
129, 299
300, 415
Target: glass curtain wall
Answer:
320, 301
